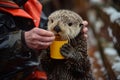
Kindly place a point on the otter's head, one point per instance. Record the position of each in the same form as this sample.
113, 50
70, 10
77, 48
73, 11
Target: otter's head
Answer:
67, 24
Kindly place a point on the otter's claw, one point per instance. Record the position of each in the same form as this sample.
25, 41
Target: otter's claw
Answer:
67, 51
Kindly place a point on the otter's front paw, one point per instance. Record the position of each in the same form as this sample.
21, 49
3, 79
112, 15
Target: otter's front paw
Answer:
67, 51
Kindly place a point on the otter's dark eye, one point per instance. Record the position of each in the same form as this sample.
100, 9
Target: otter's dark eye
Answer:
70, 24
80, 25
51, 21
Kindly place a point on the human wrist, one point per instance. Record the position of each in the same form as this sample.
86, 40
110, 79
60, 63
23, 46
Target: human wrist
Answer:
23, 40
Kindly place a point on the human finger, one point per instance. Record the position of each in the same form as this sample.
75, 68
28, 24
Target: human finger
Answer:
43, 32
85, 23
85, 30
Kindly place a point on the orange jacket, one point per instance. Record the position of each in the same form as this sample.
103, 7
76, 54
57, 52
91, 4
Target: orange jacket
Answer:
32, 10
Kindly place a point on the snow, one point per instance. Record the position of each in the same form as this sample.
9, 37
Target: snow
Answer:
114, 14
111, 35
116, 66
98, 25
97, 55
109, 10
114, 39
100, 62
110, 51
110, 32
103, 70
96, 1
117, 59
91, 16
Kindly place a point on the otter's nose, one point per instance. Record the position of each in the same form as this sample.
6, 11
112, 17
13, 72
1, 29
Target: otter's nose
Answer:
57, 29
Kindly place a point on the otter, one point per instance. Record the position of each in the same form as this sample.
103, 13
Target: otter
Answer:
76, 65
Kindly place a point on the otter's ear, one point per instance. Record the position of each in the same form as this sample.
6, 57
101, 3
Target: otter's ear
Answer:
80, 25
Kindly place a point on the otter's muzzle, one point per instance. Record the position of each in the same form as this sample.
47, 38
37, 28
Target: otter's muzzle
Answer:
57, 28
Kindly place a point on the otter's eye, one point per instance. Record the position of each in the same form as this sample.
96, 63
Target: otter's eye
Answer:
80, 25
70, 24
51, 21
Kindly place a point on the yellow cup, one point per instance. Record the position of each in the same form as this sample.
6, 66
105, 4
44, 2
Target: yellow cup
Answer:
55, 49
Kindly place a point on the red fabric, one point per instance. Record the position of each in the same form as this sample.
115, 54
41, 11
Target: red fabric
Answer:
33, 10
14, 11
37, 75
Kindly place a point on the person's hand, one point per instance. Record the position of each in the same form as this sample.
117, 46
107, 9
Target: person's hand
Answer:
38, 39
85, 29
